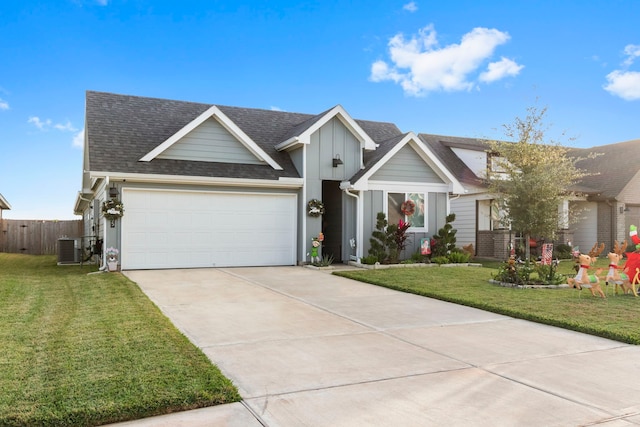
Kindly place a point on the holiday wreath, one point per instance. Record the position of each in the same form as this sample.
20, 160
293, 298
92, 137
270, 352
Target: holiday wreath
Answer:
315, 207
408, 207
112, 209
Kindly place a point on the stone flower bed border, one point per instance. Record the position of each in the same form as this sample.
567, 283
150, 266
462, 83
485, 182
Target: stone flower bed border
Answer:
378, 266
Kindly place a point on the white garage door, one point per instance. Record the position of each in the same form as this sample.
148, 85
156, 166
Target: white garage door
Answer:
186, 229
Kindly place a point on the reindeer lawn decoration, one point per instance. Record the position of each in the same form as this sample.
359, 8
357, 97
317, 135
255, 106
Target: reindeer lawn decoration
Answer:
585, 280
620, 279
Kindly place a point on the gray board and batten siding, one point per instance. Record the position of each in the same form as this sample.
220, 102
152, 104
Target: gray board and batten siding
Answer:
210, 142
331, 140
406, 165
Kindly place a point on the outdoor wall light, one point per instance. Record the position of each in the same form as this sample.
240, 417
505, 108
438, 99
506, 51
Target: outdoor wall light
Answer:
337, 161
113, 192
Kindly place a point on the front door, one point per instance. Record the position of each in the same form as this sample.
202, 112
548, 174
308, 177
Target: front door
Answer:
332, 220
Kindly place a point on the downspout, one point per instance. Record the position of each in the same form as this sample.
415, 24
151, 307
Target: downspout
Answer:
449, 199
359, 222
302, 240
613, 223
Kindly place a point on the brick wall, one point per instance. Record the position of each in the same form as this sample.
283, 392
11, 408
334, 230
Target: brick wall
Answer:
484, 240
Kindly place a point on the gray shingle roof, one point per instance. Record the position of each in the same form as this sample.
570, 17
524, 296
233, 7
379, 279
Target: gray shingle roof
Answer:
441, 146
121, 129
615, 167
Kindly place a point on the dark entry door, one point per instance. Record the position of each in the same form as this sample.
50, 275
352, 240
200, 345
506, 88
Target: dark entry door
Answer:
332, 220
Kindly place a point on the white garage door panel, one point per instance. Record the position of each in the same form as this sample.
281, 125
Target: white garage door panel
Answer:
179, 229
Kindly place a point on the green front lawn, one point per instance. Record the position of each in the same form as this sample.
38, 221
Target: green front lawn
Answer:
90, 349
617, 317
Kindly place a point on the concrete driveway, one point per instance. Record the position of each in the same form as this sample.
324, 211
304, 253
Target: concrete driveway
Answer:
306, 348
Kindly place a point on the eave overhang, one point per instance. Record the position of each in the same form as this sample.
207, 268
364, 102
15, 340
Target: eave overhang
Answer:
282, 182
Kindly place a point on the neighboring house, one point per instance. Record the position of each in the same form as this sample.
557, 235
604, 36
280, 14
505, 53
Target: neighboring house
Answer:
4, 205
206, 185
608, 200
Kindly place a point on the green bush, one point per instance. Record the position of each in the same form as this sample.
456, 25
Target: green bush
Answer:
418, 257
440, 260
548, 275
369, 259
388, 240
458, 257
445, 240
382, 242
562, 251
512, 272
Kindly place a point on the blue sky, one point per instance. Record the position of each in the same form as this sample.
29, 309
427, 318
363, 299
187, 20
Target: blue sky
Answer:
461, 68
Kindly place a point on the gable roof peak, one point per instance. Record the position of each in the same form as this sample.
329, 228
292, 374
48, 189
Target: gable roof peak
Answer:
301, 134
228, 124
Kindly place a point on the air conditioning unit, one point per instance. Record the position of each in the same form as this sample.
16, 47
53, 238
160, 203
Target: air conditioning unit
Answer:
67, 252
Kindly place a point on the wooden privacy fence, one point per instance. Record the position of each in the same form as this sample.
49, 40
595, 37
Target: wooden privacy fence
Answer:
36, 237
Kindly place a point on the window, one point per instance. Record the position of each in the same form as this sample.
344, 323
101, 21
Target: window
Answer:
499, 220
394, 209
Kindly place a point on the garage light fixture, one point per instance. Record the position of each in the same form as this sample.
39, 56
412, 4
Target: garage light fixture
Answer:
337, 161
113, 192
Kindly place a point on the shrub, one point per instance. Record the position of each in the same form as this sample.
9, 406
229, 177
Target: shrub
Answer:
562, 251
326, 261
369, 259
418, 257
523, 274
458, 257
388, 240
401, 239
445, 240
548, 275
380, 240
440, 260
514, 272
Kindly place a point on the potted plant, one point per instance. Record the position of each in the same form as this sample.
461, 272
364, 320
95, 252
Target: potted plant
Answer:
112, 259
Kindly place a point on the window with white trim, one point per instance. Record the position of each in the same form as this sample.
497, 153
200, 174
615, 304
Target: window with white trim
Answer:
411, 202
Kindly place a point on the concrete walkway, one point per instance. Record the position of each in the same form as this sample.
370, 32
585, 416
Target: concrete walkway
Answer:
306, 348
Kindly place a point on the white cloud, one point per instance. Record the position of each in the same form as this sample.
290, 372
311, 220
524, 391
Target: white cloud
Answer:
65, 127
625, 84
632, 51
4, 105
274, 108
78, 139
420, 66
499, 70
48, 124
39, 123
411, 7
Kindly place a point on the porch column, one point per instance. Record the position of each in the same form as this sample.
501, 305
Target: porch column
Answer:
563, 215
